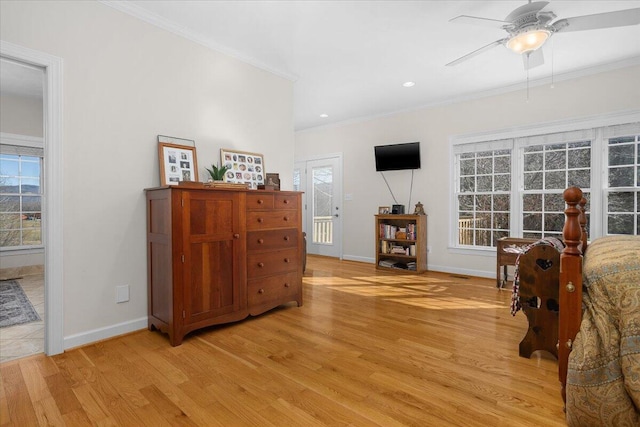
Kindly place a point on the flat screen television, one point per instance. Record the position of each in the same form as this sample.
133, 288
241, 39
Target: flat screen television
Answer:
397, 156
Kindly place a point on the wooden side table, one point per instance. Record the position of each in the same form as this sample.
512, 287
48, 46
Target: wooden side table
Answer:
507, 253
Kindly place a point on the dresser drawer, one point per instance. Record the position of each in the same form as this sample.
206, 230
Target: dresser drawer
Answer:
268, 263
260, 200
263, 220
273, 290
285, 201
272, 239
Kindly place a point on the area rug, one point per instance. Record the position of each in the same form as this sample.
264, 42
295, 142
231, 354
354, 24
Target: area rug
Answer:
15, 307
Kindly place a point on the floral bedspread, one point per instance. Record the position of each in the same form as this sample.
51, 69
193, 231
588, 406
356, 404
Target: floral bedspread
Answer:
603, 380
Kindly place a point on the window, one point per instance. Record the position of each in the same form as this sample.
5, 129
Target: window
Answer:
483, 197
296, 180
20, 197
623, 204
514, 187
547, 171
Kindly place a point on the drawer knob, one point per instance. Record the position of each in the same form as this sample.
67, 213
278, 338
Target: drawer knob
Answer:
261, 264
286, 285
260, 241
286, 201
260, 201
261, 291
236, 236
260, 220
286, 218
286, 260
286, 238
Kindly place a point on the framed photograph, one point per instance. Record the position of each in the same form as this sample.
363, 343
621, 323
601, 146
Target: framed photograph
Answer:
273, 179
244, 168
384, 210
178, 162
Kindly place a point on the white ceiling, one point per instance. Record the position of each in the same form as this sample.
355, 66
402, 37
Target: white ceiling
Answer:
349, 58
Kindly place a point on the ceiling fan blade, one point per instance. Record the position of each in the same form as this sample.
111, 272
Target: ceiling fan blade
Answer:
618, 18
533, 59
476, 20
477, 52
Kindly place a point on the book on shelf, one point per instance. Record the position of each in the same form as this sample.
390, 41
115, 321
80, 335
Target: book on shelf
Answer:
411, 231
397, 264
400, 265
388, 231
386, 263
398, 250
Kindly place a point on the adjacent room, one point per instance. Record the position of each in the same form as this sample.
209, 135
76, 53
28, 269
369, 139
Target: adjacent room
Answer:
313, 212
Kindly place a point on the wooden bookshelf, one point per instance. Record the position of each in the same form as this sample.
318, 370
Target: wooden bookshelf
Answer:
401, 242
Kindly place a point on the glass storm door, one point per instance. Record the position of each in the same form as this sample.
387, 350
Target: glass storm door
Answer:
321, 180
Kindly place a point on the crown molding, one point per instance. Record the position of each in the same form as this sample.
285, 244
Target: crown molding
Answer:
160, 22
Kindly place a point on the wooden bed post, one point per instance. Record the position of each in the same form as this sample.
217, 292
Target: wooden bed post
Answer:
570, 292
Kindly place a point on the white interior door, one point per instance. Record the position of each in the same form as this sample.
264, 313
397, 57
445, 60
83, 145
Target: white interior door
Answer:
321, 180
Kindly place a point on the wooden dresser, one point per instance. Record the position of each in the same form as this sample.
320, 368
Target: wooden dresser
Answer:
220, 255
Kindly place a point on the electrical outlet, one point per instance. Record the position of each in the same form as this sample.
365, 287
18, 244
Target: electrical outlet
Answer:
122, 294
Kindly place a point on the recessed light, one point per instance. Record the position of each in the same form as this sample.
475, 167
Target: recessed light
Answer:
324, 116
408, 84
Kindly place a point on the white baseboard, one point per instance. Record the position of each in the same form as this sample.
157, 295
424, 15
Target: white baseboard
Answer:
359, 259
88, 337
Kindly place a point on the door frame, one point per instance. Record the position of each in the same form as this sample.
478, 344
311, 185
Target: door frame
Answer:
52, 218
303, 188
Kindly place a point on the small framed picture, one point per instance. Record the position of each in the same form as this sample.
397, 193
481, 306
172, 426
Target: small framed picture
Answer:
273, 179
244, 168
178, 162
384, 210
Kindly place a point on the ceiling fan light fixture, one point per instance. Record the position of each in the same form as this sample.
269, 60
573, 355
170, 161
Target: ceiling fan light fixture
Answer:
528, 41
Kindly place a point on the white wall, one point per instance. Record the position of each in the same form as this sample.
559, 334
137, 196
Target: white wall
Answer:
21, 115
125, 82
581, 97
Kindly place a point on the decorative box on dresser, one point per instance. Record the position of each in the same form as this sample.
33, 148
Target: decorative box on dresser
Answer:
218, 255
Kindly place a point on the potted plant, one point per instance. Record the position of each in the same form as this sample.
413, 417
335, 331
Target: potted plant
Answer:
217, 173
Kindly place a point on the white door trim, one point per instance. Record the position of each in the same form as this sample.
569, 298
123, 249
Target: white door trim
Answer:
52, 206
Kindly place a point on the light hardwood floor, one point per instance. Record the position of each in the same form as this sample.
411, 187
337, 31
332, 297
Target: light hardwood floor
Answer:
367, 348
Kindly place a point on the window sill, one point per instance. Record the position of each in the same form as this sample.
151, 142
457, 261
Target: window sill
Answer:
22, 251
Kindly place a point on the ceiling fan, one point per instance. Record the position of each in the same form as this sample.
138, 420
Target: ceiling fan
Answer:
530, 26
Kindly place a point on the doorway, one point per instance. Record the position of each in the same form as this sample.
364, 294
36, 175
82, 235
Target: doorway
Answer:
21, 195
52, 212
321, 181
